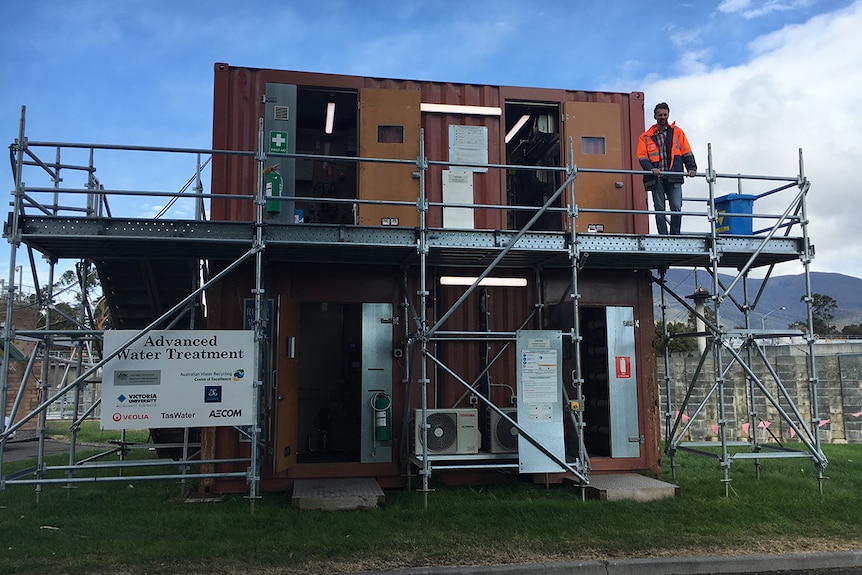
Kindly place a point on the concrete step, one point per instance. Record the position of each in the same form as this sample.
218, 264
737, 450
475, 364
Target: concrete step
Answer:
631, 486
337, 494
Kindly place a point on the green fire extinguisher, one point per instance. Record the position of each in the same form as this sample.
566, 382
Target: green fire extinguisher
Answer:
273, 185
381, 403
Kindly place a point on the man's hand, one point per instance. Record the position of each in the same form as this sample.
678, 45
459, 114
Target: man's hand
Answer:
692, 173
655, 171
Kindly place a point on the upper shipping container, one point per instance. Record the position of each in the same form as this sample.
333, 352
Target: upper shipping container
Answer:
459, 128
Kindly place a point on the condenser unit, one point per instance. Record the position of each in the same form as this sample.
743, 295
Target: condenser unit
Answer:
504, 435
450, 431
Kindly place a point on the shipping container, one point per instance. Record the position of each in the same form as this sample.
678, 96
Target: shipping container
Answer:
461, 124
443, 161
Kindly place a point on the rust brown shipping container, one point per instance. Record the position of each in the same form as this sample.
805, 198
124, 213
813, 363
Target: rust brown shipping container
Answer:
320, 306
603, 127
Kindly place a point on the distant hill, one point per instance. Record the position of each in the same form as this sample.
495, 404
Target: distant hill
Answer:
780, 292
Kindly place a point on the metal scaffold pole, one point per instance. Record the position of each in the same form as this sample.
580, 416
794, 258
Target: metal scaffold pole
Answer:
576, 406
8, 328
259, 331
78, 350
422, 246
749, 381
717, 335
813, 381
670, 446
44, 385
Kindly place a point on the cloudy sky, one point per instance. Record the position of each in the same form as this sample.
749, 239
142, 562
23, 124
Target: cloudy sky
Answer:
756, 79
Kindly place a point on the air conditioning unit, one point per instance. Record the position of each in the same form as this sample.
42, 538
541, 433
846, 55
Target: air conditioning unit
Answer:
450, 431
504, 435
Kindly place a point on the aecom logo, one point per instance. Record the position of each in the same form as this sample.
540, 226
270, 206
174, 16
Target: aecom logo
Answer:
226, 413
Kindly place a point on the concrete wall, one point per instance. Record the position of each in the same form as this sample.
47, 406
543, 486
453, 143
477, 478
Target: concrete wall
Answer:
839, 378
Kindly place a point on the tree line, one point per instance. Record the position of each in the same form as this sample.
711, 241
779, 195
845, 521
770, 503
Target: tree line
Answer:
823, 308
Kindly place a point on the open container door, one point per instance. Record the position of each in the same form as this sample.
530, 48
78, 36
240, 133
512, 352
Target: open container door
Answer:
622, 379
286, 367
376, 401
389, 122
594, 128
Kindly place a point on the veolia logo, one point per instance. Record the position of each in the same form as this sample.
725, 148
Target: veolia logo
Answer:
135, 416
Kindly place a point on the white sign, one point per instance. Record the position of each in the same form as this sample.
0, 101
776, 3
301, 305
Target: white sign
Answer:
178, 379
458, 189
468, 145
539, 376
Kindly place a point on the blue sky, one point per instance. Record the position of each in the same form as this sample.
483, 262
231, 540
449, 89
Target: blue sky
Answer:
756, 79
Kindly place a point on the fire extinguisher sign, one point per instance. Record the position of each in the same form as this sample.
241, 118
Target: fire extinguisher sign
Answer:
624, 366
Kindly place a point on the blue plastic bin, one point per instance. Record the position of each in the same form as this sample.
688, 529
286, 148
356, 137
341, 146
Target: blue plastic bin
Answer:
734, 204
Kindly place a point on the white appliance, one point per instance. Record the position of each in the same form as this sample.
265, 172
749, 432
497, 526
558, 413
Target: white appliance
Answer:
504, 435
450, 431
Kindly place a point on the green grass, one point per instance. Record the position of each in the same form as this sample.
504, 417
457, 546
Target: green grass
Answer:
89, 432
146, 527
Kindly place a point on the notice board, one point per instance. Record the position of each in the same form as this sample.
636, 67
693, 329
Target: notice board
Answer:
176, 378
540, 404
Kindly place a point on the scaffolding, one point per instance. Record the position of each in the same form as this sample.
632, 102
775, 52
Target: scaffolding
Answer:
41, 223
720, 349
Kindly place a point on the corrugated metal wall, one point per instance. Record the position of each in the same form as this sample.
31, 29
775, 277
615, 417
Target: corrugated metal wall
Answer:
237, 109
504, 310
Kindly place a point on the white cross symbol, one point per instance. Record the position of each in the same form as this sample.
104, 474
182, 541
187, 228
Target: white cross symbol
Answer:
278, 140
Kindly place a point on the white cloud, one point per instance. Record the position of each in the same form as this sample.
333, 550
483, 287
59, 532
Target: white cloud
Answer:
799, 91
733, 6
750, 9
694, 62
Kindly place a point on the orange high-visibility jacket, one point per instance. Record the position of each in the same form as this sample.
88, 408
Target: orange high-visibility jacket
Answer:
679, 154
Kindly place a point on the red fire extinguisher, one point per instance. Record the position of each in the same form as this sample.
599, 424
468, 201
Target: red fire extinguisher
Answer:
381, 403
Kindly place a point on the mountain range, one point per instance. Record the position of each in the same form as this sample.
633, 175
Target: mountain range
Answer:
779, 305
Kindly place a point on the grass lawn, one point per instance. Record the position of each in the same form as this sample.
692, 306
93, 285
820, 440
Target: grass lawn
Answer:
90, 432
146, 527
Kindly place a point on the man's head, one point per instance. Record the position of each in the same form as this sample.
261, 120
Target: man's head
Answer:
661, 114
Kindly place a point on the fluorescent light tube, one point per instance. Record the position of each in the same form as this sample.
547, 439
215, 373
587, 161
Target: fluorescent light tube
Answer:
486, 281
330, 117
459, 109
517, 127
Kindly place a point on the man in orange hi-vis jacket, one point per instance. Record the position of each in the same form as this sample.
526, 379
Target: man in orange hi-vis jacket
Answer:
664, 148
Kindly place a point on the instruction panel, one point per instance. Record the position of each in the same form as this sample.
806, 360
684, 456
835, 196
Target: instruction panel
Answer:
540, 406
468, 145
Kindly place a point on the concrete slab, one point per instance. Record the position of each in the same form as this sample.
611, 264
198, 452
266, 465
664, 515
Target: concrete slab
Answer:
629, 486
29, 449
337, 494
